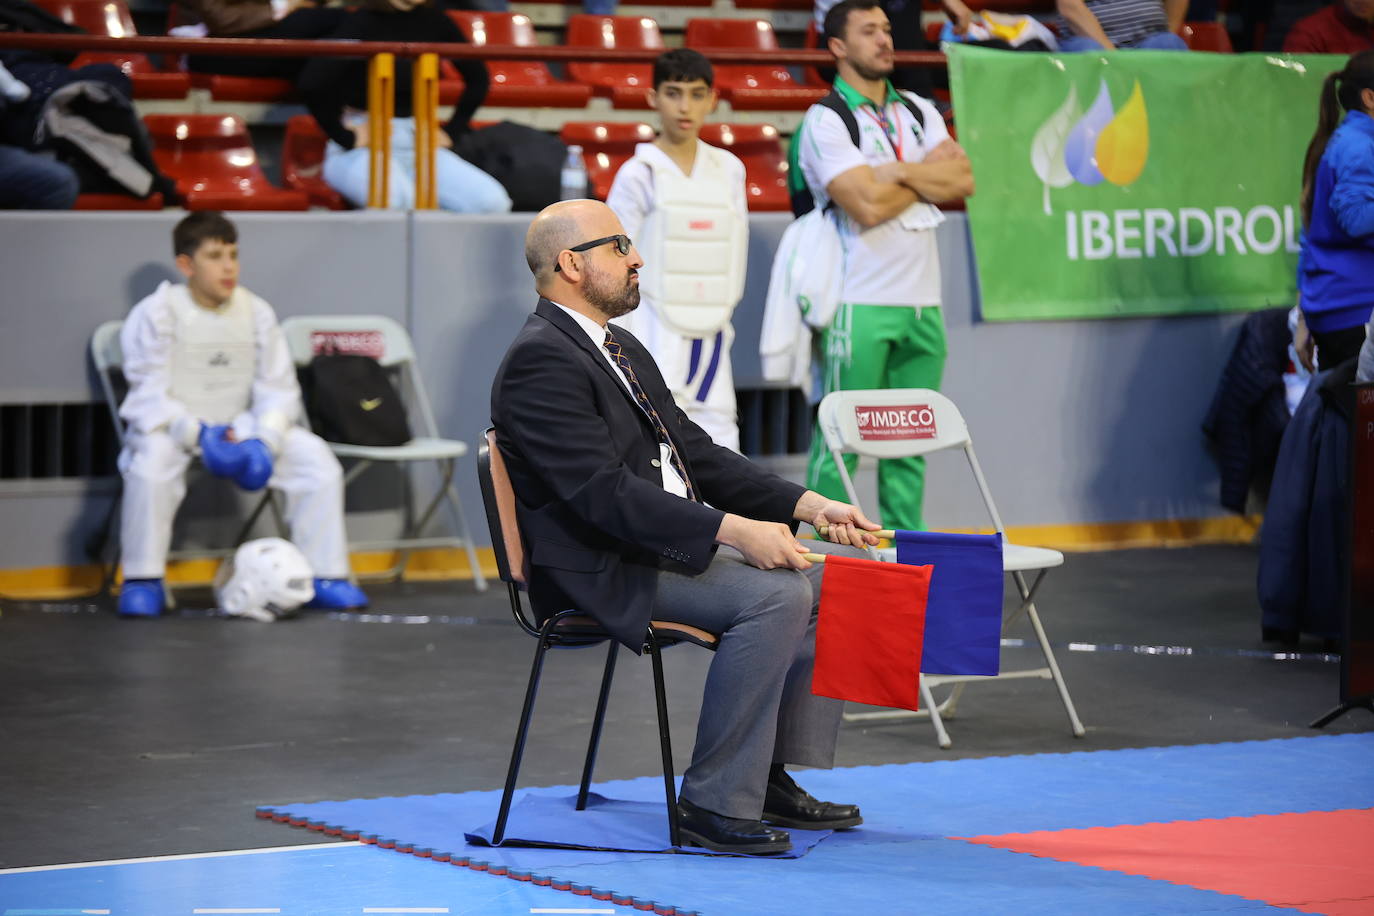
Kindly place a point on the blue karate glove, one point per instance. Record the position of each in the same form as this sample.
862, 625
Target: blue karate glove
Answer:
257, 465
223, 456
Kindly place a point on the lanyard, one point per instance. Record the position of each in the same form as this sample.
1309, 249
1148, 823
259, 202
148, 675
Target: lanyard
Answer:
891, 130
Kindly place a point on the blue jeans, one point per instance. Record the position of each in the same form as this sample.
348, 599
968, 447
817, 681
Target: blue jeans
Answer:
463, 187
29, 181
1159, 41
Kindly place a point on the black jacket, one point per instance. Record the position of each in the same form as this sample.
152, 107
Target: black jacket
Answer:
1304, 556
582, 458
1250, 410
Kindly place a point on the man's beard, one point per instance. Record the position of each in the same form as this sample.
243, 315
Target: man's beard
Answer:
876, 72
612, 299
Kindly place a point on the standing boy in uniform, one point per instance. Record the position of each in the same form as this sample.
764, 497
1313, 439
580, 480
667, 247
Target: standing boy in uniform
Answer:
210, 376
683, 202
888, 331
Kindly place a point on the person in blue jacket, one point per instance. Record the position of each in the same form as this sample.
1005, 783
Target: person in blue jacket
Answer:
1336, 266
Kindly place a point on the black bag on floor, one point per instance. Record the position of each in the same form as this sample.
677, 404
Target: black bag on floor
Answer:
527, 162
351, 399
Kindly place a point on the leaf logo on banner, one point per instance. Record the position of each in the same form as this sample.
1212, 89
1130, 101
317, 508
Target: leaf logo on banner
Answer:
1125, 143
1081, 153
1047, 149
1090, 147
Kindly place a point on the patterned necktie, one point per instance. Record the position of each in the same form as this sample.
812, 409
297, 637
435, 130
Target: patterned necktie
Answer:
673, 457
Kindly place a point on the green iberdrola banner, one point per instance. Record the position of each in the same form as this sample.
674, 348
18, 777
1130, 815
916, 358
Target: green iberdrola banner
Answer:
1134, 183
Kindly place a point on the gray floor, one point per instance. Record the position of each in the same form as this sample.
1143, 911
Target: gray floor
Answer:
137, 738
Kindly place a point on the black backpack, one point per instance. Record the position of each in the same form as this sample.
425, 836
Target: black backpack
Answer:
350, 399
527, 162
802, 201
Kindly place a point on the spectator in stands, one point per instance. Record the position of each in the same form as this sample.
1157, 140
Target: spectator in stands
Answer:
294, 19
29, 181
332, 85
888, 331
209, 374
1097, 25
84, 118
1344, 27
1336, 265
678, 191
32, 181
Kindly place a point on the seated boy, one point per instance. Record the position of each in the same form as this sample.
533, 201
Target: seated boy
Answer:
210, 376
683, 202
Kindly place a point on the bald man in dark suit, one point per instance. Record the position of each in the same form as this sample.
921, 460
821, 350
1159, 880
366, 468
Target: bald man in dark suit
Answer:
631, 513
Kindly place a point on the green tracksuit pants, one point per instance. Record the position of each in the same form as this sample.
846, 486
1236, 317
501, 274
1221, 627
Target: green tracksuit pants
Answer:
880, 346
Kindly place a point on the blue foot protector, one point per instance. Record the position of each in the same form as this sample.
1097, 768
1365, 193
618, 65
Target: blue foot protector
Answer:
337, 595
141, 598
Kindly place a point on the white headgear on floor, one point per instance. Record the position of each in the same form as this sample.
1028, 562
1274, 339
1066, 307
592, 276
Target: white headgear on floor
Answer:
267, 579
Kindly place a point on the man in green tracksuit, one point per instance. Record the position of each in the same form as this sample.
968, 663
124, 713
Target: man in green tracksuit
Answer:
888, 331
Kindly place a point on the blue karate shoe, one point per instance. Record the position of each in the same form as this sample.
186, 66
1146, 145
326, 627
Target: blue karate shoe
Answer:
141, 598
337, 595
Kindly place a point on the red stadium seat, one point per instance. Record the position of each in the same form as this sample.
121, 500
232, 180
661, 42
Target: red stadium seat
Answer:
605, 148
118, 202
244, 88
1206, 36
302, 156
212, 160
624, 84
751, 86
518, 83
111, 17
811, 76
765, 161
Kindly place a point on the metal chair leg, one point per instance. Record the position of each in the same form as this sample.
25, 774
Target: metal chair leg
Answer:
665, 740
597, 721
1026, 595
941, 736
522, 732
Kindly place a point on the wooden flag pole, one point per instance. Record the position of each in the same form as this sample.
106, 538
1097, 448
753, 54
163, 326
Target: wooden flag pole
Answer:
886, 533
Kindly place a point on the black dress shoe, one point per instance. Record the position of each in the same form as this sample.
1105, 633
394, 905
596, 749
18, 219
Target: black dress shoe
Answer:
718, 833
789, 805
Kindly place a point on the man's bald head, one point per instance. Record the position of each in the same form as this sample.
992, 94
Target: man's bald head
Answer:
561, 226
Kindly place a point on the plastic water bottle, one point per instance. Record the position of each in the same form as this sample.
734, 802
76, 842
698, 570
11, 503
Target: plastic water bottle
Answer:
574, 176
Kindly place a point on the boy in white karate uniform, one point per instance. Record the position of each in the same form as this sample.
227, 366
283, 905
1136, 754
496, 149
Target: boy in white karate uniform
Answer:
210, 376
684, 204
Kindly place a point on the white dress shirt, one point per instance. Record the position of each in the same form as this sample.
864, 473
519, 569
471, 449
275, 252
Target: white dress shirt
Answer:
672, 481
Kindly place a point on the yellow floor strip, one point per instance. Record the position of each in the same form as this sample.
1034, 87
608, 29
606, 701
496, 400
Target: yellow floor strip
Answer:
55, 583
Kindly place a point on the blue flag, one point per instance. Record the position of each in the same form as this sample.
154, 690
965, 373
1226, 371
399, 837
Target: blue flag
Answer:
964, 610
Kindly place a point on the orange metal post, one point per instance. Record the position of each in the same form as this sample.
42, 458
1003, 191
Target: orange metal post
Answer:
425, 99
381, 104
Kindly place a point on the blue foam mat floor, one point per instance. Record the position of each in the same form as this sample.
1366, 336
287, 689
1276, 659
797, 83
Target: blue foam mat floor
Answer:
901, 860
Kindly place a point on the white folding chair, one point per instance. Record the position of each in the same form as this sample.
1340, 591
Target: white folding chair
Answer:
909, 422
108, 358
397, 354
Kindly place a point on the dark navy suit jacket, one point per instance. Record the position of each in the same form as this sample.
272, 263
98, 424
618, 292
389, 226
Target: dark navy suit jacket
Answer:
583, 459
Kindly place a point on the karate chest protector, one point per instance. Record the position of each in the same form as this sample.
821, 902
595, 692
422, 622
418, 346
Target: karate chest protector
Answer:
214, 356
694, 247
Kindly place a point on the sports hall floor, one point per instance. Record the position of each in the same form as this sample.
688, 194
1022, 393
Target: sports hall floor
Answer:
1198, 787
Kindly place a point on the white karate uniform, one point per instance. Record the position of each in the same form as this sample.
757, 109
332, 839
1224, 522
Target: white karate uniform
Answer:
187, 365
697, 369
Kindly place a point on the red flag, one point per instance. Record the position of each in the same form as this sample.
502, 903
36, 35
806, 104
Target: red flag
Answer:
868, 637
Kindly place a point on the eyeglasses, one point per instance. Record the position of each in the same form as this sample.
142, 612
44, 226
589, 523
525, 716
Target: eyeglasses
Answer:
622, 245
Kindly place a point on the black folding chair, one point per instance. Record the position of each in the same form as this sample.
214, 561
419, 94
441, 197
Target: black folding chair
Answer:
570, 629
